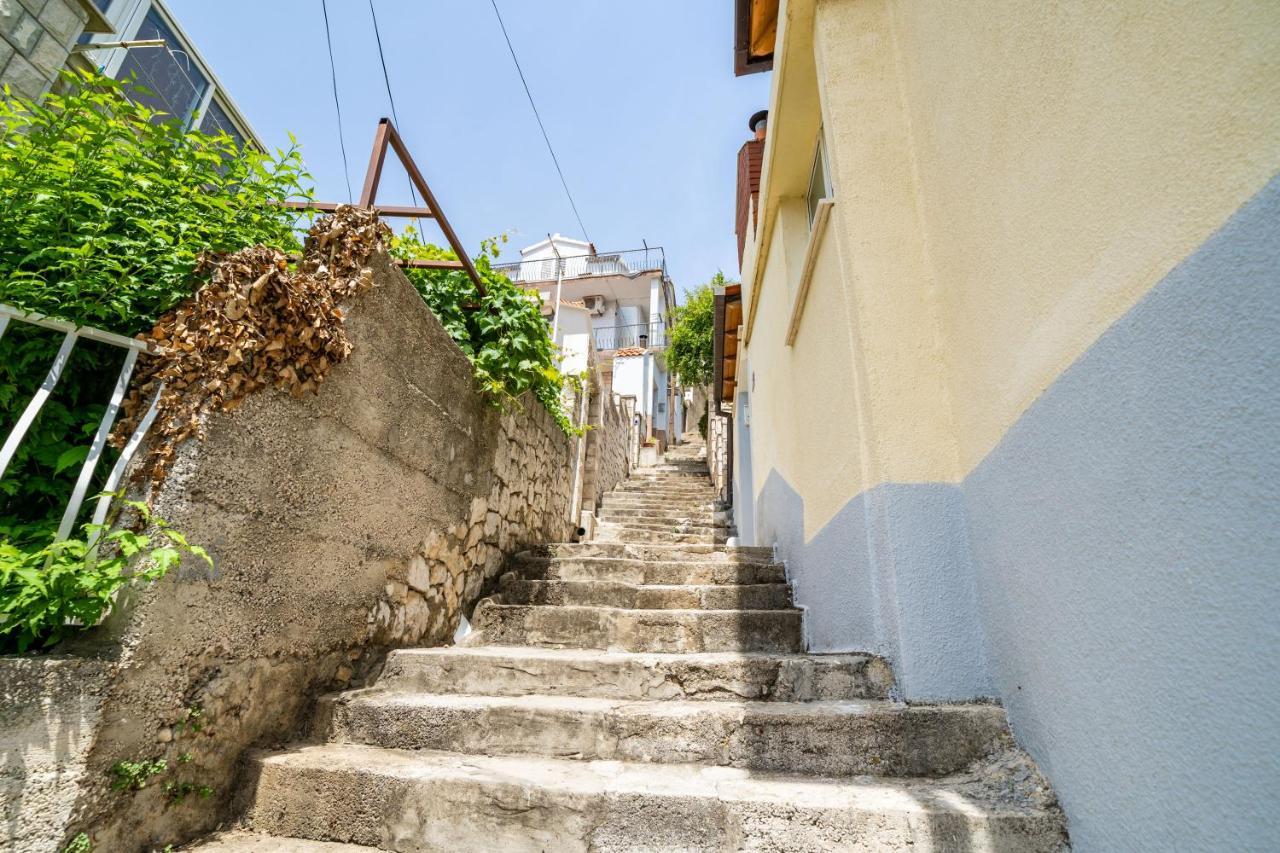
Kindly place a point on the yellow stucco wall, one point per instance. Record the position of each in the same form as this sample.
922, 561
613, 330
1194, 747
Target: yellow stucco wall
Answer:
1010, 178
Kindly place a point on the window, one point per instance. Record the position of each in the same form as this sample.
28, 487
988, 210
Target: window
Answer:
103, 6
175, 83
217, 120
819, 179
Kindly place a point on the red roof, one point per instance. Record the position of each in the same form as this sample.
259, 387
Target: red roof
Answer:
627, 352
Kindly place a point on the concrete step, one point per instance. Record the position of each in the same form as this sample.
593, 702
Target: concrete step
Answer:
414, 801
662, 488
252, 842
663, 526
707, 676
854, 738
610, 593
694, 510
639, 535
663, 572
639, 551
625, 502
620, 629
670, 516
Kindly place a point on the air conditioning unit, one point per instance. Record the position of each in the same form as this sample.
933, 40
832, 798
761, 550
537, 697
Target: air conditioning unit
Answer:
595, 304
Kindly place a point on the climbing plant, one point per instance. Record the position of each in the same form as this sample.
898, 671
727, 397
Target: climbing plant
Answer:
45, 591
106, 208
689, 353
502, 333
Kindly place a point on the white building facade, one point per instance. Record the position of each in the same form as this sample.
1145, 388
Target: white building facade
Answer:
617, 305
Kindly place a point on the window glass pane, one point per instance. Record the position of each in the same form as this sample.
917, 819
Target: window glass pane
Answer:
217, 120
174, 80
818, 189
102, 5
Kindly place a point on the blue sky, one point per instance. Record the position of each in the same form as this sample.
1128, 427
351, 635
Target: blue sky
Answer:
639, 99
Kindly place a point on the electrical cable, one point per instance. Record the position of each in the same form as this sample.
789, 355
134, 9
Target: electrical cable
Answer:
387, 80
536, 115
337, 105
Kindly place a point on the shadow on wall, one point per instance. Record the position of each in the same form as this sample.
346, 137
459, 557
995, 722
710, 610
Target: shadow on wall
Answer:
1122, 593
891, 574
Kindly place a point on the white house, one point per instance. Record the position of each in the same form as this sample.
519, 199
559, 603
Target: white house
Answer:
625, 299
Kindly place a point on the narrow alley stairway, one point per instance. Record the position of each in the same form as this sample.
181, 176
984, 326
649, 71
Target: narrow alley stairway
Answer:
646, 690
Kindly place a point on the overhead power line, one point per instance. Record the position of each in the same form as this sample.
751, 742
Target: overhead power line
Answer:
386, 78
541, 126
337, 105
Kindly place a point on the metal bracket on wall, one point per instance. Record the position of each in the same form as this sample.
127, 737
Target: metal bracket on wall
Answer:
387, 135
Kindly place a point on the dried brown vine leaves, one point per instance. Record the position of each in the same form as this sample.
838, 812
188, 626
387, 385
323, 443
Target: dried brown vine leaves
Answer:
254, 324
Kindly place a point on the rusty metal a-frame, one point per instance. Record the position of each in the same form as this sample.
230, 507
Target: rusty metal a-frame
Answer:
388, 136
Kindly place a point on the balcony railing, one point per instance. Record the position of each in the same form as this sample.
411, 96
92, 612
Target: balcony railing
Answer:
646, 335
629, 263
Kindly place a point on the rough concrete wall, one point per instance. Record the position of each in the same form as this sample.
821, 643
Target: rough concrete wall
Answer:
35, 40
366, 517
49, 708
608, 462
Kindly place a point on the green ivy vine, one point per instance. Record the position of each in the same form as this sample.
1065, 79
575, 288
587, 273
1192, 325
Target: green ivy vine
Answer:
502, 333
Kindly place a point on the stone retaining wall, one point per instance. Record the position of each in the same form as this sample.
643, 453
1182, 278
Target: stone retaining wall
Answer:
369, 516
607, 462
718, 453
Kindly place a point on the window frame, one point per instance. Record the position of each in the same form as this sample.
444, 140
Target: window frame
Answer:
820, 159
128, 17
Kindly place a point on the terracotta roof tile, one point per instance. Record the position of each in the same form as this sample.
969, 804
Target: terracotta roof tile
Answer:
626, 352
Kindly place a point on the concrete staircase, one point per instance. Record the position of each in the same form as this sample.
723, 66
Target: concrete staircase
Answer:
645, 691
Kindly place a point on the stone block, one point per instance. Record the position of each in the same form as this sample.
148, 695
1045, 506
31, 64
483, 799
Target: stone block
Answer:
24, 78
479, 506
19, 26
419, 574
64, 19
49, 56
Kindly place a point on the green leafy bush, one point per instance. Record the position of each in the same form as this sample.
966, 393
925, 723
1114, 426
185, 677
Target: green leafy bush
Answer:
502, 333
106, 206
45, 592
105, 209
689, 353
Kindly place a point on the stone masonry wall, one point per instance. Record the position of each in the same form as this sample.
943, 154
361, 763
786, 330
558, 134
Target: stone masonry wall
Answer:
607, 461
369, 516
35, 40
718, 452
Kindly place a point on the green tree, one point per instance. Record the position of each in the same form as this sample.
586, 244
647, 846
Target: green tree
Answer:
689, 354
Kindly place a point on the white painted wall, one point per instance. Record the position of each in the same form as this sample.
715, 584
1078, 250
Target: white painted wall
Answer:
574, 340
629, 380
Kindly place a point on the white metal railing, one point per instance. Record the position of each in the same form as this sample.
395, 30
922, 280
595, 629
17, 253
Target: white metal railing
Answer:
71, 334
629, 263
